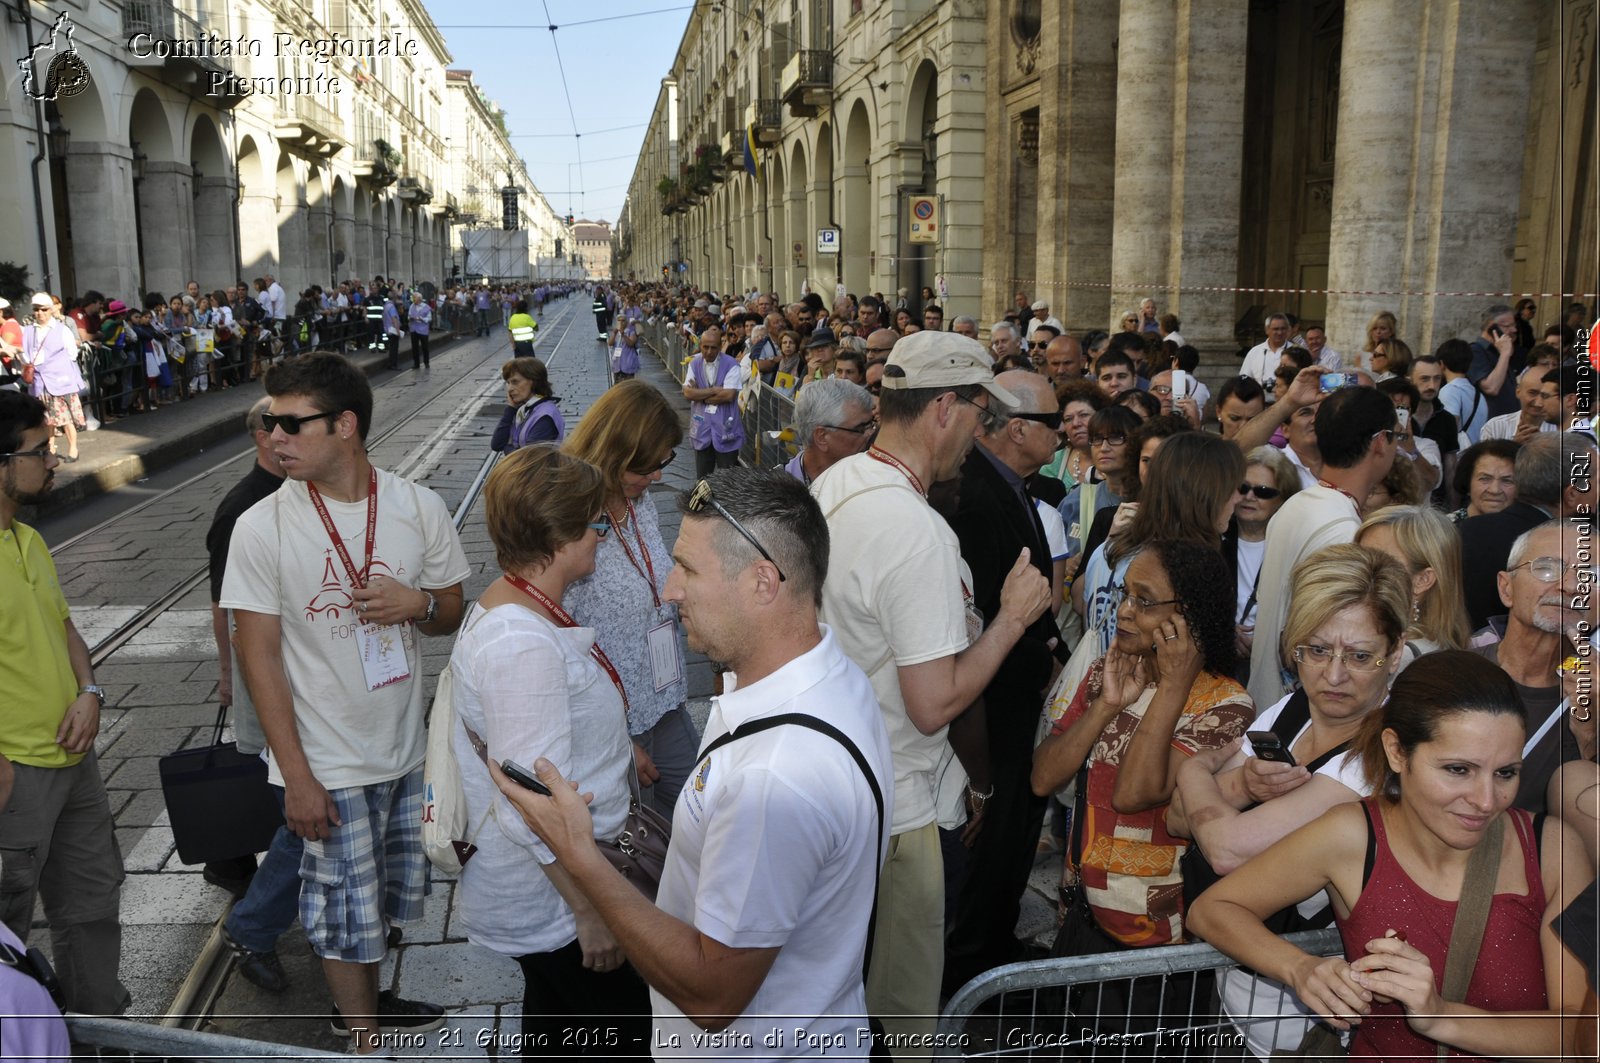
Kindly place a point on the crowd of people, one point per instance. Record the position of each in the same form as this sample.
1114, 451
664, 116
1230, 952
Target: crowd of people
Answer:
1046, 597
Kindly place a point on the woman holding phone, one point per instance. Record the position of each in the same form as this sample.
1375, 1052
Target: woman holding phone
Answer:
530, 683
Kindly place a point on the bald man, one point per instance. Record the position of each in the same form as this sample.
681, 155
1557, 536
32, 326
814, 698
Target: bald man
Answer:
1063, 359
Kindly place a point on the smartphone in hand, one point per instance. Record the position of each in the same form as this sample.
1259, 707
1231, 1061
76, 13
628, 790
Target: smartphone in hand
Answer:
1267, 747
524, 778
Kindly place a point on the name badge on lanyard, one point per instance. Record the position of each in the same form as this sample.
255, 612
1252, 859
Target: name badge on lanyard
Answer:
383, 648
666, 664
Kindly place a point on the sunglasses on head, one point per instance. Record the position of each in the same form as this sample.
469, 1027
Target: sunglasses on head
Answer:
1260, 491
291, 423
647, 470
701, 497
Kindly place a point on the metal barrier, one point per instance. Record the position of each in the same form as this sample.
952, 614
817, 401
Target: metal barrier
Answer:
766, 412
1084, 1007
144, 1040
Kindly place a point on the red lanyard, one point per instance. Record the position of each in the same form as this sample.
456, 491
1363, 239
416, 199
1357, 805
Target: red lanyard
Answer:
564, 618
358, 578
877, 453
649, 571
1323, 483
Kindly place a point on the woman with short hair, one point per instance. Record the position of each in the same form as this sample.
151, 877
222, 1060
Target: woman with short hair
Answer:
531, 414
1486, 478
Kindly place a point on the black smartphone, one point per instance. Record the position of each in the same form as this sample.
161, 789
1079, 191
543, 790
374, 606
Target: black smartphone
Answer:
524, 778
1494, 330
1267, 747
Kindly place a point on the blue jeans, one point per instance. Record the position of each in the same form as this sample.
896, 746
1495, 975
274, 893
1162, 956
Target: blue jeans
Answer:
272, 904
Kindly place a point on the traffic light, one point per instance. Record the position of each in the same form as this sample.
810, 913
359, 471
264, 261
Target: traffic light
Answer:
569, 221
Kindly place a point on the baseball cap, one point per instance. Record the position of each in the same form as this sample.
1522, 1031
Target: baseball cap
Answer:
43, 299
942, 360
1041, 304
5, 304
823, 337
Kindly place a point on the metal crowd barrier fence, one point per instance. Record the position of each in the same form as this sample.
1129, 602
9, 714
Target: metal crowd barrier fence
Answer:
1088, 1007
766, 412
145, 1041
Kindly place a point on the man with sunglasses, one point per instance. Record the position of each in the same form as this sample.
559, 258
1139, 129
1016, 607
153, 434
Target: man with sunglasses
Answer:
57, 839
896, 603
995, 521
330, 580
833, 419
1546, 588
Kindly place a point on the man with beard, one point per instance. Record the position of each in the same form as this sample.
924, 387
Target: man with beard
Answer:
57, 837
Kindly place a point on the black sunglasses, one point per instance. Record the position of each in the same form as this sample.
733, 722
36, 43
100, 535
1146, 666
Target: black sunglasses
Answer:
1051, 421
1263, 493
701, 497
292, 424
648, 470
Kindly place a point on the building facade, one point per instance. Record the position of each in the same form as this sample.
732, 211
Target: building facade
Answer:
592, 240
209, 140
1332, 158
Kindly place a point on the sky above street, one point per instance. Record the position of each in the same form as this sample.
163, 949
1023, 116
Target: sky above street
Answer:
614, 54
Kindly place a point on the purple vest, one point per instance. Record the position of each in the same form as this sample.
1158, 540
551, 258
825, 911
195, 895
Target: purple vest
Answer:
719, 428
541, 410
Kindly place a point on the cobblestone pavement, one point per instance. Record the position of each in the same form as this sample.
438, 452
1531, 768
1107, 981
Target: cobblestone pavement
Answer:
162, 696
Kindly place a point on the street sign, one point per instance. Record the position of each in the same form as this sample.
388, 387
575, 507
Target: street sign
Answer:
924, 219
828, 240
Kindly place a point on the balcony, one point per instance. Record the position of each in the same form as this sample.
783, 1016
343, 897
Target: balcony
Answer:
764, 118
309, 128
807, 82
160, 36
416, 190
733, 148
377, 164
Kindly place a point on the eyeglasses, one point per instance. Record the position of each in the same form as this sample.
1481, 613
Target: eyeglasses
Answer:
1386, 433
1140, 604
1109, 441
43, 453
878, 350
701, 497
1051, 421
1549, 569
291, 424
601, 528
1355, 660
861, 429
649, 470
986, 417
1264, 493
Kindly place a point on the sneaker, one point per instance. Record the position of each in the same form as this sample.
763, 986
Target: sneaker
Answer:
395, 1013
258, 968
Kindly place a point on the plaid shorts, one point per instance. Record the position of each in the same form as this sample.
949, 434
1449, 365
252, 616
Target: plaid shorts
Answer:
370, 872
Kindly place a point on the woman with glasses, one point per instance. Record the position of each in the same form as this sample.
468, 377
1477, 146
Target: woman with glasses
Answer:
1427, 547
629, 435
1269, 481
1441, 762
531, 681
1347, 619
1163, 692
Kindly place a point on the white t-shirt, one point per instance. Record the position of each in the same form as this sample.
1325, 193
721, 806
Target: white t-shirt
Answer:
282, 563
1314, 518
530, 689
1245, 995
1260, 363
1250, 557
1505, 427
1307, 477
775, 845
893, 598
1055, 530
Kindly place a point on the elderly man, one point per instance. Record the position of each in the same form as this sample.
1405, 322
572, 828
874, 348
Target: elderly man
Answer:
997, 519
1530, 418
1004, 340
1549, 571
833, 419
1042, 316
1317, 343
1261, 361
896, 603
1496, 360
1063, 359
965, 326
1161, 388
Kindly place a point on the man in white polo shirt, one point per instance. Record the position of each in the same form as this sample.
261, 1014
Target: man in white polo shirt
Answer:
755, 944
896, 603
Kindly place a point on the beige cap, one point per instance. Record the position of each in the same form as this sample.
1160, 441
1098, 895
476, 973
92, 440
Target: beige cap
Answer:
43, 299
930, 359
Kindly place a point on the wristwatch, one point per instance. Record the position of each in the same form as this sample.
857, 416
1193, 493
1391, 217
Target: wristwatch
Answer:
433, 609
98, 691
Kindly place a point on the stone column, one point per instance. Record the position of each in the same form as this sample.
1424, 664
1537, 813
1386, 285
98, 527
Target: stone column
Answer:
1147, 65
344, 239
319, 258
294, 265
214, 266
1208, 156
166, 220
962, 175
100, 200
1433, 102
395, 257
1077, 141
258, 232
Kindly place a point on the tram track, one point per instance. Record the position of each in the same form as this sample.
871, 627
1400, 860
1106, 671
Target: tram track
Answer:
196, 998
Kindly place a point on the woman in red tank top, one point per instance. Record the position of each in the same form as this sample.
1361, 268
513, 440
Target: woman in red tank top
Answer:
1443, 759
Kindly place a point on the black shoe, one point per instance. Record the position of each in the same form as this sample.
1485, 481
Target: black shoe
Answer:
231, 875
395, 1013
258, 968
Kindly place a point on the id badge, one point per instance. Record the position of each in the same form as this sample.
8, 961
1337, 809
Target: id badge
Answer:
384, 659
666, 666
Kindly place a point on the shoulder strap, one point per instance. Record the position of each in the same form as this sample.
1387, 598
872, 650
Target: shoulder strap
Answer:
1295, 715
800, 719
1370, 863
1472, 913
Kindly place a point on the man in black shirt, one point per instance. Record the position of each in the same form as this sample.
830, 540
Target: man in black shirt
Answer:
269, 902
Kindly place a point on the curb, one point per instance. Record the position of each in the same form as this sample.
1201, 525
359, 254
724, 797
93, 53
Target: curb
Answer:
157, 454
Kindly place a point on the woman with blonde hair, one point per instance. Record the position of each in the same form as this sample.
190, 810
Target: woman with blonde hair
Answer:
1270, 480
1424, 541
629, 435
1380, 330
